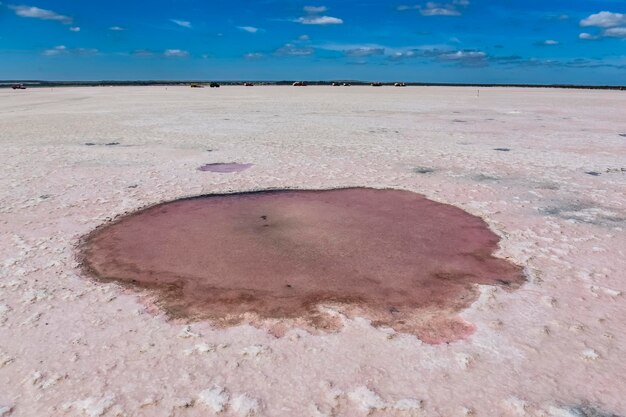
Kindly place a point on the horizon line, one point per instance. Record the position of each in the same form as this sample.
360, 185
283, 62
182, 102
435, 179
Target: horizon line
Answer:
48, 83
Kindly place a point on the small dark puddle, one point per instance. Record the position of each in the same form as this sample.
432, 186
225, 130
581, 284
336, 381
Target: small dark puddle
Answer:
224, 168
102, 144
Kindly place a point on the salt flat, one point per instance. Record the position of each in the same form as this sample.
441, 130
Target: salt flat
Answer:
543, 167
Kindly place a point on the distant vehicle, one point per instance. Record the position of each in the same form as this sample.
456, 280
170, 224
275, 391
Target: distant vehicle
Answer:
299, 84
336, 84
377, 84
347, 84
214, 85
400, 85
18, 87
197, 86
248, 84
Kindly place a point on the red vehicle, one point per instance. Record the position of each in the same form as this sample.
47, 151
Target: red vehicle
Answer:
18, 87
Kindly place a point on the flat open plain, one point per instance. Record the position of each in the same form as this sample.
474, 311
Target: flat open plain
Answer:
544, 168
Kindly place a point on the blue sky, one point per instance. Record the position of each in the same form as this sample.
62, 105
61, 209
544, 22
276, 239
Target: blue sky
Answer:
487, 41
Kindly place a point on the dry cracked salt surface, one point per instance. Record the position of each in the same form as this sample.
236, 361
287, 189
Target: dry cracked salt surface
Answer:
554, 347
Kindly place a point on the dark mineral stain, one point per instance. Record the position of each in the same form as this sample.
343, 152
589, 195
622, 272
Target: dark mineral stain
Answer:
588, 411
224, 168
485, 177
392, 256
583, 212
502, 149
105, 144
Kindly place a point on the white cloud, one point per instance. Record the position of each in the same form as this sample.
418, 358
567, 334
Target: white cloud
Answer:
304, 38
57, 50
293, 50
615, 32
315, 9
437, 9
175, 53
116, 28
143, 52
462, 55
63, 50
587, 36
550, 42
365, 51
253, 56
604, 20
249, 29
43, 14
319, 20
181, 23
75, 29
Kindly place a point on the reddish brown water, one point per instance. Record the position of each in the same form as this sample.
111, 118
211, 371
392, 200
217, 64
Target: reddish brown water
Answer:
392, 256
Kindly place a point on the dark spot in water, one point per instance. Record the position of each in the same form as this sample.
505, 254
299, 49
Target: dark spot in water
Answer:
593, 173
423, 170
224, 168
359, 249
502, 149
